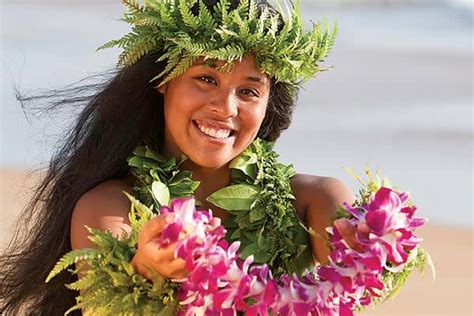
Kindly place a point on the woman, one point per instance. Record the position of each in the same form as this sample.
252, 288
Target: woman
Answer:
205, 113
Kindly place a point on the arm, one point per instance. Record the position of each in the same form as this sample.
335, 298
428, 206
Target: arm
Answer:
106, 207
317, 199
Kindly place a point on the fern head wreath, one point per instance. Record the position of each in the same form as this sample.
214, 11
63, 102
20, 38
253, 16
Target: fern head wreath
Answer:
188, 30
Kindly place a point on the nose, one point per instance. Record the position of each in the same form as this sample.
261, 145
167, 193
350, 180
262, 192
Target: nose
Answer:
225, 104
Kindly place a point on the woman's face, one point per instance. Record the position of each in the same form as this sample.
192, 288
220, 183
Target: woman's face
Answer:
212, 116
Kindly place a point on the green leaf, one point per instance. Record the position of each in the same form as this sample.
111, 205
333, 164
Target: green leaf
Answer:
189, 19
118, 278
249, 250
288, 53
149, 164
257, 214
250, 234
235, 235
153, 155
135, 161
262, 256
245, 163
161, 193
71, 258
301, 235
238, 197
263, 243
304, 261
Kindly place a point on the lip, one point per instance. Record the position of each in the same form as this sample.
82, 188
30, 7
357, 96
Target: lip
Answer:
211, 139
215, 124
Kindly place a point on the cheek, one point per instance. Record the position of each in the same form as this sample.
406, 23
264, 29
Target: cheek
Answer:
262, 111
254, 117
262, 114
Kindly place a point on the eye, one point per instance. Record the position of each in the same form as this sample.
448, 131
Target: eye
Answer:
206, 79
249, 92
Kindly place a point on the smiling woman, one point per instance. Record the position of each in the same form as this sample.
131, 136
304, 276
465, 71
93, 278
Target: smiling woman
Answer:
203, 79
220, 116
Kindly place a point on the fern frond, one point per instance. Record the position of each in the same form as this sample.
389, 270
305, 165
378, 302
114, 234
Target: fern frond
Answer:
132, 5
109, 44
74, 308
180, 68
189, 19
139, 213
71, 258
206, 19
281, 47
85, 282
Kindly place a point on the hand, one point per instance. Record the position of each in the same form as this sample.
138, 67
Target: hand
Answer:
348, 232
151, 258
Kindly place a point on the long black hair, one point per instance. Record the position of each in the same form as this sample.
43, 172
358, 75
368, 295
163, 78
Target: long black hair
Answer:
122, 110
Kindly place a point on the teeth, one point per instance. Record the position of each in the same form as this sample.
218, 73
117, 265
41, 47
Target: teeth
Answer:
213, 132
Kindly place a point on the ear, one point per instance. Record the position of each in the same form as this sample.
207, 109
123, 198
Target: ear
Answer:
162, 89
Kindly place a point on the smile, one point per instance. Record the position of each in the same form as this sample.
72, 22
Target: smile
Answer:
213, 130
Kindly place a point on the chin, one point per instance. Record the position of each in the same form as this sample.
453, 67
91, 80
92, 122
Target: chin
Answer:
212, 162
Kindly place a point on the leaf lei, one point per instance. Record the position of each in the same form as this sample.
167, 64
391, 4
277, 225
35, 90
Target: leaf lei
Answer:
259, 200
159, 180
262, 217
281, 47
109, 284
259, 197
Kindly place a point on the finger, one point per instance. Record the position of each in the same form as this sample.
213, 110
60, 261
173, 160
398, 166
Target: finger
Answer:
153, 228
348, 233
176, 269
164, 262
159, 255
166, 253
363, 229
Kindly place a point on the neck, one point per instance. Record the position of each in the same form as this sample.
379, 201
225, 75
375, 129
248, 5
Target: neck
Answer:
212, 179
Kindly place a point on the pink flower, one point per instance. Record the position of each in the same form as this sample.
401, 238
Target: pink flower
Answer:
220, 283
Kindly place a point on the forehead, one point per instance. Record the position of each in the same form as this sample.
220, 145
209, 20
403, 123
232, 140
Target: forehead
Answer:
245, 68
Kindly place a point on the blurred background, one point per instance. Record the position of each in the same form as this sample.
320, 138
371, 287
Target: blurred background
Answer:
399, 98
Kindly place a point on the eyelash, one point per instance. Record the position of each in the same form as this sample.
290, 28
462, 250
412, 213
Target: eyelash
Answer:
254, 94
210, 80
207, 79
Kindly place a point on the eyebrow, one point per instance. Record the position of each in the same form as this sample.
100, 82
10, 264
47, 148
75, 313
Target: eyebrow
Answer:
256, 79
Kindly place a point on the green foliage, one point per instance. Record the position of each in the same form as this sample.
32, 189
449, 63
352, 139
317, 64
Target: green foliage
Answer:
373, 183
71, 258
238, 197
259, 200
290, 55
150, 169
108, 284
262, 217
418, 258
138, 216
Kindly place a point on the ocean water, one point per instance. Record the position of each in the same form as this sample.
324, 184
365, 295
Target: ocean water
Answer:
399, 96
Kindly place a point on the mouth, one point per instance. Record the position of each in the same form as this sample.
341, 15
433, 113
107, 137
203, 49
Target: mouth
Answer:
213, 130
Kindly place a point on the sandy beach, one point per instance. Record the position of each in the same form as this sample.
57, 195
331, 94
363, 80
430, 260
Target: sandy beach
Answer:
451, 293
400, 98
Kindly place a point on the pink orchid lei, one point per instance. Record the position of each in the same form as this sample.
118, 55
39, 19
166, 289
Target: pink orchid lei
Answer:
220, 283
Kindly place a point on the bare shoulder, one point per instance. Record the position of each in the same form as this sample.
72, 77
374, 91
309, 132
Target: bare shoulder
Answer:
317, 199
105, 207
318, 192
